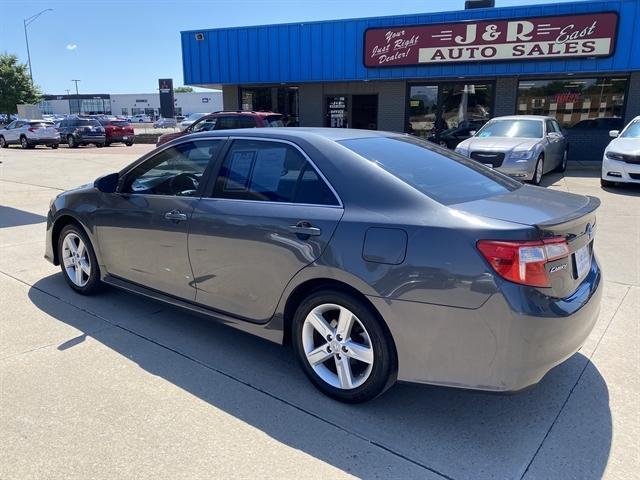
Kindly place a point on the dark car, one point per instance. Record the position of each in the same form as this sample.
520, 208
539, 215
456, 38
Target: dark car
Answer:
227, 121
451, 137
379, 256
117, 131
76, 131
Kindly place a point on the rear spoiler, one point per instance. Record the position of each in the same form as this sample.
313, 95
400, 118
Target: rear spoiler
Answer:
590, 206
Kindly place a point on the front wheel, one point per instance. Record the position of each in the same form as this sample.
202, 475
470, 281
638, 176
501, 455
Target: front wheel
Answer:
71, 142
538, 172
3, 142
342, 347
55, 145
129, 144
78, 260
24, 143
99, 145
563, 164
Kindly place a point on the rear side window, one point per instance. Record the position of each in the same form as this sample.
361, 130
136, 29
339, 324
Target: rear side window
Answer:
274, 121
270, 171
245, 121
446, 177
226, 123
41, 124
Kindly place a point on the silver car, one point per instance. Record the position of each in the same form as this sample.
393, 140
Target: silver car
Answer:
29, 133
522, 146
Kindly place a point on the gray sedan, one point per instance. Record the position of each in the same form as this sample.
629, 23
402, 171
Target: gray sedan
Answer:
522, 146
378, 256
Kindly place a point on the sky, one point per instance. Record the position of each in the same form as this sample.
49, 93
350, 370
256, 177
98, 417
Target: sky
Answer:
124, 46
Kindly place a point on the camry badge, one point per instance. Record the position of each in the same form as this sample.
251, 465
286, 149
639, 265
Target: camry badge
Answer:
557, 268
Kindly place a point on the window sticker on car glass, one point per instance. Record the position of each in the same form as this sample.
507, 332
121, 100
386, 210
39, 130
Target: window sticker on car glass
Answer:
240, 170
268, 170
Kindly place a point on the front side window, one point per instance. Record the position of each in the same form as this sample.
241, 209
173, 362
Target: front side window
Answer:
204, 125
512, 129
443, 176
574, 102
270, 171
177, 170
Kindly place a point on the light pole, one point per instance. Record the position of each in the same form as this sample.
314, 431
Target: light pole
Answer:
27, 22
77, 96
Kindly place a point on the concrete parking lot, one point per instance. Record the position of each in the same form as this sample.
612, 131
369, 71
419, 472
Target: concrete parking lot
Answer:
118, 386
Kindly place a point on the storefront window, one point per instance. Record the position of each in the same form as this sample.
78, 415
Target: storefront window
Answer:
434, 109
577, 102
282, 100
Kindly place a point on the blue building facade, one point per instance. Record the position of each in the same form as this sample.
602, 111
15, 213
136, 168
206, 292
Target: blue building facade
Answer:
430, 73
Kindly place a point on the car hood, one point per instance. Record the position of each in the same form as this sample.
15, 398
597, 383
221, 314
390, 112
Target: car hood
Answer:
530, 205
500, 144
630, 146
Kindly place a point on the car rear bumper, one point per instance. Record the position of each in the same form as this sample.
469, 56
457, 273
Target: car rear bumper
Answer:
90, 138
628, 172
121, 139
44, 141
497, 347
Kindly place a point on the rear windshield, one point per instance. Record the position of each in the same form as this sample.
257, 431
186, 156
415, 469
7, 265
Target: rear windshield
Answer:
274, 121
512, 128
444, 176
41, 124
87, 122
117, 123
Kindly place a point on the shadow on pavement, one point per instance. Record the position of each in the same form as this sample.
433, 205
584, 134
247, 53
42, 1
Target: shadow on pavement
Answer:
12, 217
461, 434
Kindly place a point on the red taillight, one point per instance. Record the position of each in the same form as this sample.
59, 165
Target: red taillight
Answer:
523, 262
33, 129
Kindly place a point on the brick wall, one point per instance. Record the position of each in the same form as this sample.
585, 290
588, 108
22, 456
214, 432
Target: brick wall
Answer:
391, 102
505, 96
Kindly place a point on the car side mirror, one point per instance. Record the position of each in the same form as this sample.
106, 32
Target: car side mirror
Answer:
472, 133
553, 134
614, 133
107, 183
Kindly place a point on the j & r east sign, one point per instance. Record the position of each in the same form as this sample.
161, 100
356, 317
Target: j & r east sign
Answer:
539, 38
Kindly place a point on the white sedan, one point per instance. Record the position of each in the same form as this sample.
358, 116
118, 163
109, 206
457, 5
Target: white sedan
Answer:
621, 160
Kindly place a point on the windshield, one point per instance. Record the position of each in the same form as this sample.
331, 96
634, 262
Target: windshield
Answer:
632, 130
274, 121
512, 129
444, 176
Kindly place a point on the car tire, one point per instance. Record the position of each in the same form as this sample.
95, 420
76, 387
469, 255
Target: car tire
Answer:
344, 376
129, 144
563, 163
607, 183
538, 172
3, 142
87, 281
71, 142
99, 145
55, 145
24, 143
107, 144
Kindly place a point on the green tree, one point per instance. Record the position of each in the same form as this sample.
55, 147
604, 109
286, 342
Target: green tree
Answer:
15, 85
183, 90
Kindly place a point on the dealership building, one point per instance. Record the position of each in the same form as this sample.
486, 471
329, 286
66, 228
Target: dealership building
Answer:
127, 104
422, 74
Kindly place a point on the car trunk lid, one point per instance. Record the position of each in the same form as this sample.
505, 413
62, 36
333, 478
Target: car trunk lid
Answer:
554, 214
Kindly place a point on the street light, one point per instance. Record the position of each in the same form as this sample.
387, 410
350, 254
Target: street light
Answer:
27, 22
77, 96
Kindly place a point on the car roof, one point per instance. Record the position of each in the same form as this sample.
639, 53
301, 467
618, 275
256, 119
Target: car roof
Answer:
524, 117
306, 133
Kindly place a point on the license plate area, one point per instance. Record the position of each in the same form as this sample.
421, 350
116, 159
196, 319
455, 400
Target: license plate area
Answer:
582, 261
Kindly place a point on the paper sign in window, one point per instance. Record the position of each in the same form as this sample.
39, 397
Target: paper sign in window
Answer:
240, 170
268, 170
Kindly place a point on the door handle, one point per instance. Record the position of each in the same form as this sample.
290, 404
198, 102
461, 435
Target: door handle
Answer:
175, 216
305, 228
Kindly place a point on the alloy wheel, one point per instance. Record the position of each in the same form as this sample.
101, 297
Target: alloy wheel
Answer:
539, 170
23, 142
3, 143
76, 260
337, 346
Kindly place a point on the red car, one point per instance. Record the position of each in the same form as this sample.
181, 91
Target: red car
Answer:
118, 131
226, 121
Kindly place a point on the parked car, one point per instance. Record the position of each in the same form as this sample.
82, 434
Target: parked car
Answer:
621, 160
226, 121
600, 123
436, 269
140, 118
118, 131
522, 146
76, 131
184, 124
451, 137
165, 123
29, 133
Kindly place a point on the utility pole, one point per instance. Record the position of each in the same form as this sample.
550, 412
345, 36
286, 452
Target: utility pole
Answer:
77, 95
26, 22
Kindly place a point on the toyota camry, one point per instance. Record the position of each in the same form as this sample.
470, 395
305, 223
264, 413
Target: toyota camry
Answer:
378, 256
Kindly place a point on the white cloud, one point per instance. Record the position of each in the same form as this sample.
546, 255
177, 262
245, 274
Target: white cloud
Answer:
72, 46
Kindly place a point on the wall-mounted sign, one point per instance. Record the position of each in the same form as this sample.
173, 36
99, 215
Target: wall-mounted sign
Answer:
337, 112
539, 38
141, 101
